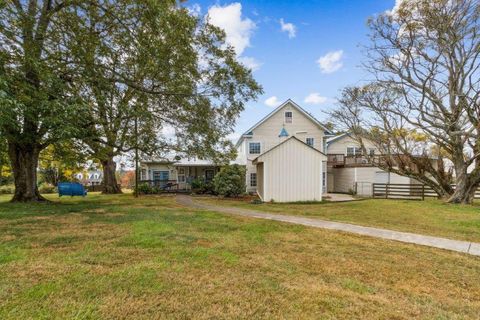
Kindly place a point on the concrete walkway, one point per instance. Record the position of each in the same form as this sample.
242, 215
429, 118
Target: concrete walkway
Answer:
472, 248
340, 197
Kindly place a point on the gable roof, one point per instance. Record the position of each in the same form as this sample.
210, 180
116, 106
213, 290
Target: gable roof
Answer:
268, 116
285, 141
338, 137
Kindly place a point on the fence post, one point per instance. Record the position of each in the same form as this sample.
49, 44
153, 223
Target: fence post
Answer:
373, 190
423, 192
386, 190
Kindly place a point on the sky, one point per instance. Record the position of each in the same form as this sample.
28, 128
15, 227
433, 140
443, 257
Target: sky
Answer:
306, 51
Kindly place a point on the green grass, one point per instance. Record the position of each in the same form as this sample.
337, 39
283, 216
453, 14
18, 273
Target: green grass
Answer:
430, 217
113, 257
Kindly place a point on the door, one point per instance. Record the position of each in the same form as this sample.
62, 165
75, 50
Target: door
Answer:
160, 178
209, 174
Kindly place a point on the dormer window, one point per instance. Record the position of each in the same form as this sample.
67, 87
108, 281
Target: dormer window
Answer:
288, 116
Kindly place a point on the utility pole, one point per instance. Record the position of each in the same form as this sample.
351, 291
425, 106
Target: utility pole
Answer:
136, 153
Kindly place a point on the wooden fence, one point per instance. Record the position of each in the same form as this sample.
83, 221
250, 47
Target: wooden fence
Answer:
406, 191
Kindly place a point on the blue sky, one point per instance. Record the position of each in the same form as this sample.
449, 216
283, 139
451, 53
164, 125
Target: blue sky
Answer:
303, 50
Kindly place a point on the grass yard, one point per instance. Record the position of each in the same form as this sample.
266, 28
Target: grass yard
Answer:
430, 217
114, 257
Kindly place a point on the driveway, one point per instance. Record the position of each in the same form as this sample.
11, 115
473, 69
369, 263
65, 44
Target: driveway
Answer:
467, 247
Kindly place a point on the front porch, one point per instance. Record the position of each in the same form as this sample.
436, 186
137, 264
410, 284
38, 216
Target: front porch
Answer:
169, 177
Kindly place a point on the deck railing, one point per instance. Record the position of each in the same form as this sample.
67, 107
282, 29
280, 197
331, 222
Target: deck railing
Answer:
341, 160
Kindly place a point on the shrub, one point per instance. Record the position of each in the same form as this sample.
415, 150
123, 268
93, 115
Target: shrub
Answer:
7, 189
46, 188
230, 181
200, 186
145, 188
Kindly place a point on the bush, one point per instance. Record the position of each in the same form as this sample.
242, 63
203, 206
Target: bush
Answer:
200, 186
46, 188
230, 181
7, 189
145, 188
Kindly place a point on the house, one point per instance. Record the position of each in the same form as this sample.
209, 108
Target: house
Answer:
348, 170
180, 172
289, 156
90, 177
284, 155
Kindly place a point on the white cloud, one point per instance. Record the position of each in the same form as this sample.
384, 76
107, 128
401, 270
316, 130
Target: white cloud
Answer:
331, 62
195, 10
272, 102
395, 8
290, 28
315, 98
250, 62
229, 18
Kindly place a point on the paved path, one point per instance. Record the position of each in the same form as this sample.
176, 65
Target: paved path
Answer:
340, 197
472, 248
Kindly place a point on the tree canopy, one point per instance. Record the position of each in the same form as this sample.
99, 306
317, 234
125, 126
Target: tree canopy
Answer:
89, 69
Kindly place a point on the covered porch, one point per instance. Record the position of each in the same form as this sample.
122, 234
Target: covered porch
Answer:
176, 176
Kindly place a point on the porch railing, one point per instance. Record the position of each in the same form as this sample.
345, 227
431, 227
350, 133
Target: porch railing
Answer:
165, 185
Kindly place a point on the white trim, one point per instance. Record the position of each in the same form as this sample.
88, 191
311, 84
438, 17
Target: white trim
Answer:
248, 147
355, 151
285, 116
268, 116
313, 141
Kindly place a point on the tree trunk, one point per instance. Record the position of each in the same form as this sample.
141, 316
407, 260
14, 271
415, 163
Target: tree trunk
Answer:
110, 185
24, 161
464, 192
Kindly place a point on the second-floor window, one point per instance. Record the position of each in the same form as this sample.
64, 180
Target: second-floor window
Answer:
288, 116
354, 151
310, 141
254, 148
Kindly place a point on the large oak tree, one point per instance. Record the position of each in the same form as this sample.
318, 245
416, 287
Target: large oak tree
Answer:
163, 68
149, 60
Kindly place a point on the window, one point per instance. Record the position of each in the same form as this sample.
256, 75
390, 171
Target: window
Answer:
371, 151
310, 141
288, 116
253, 179
354, 151
181, 175
254, 147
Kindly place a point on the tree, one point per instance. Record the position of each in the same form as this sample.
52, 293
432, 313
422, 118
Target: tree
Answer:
4, 163
230, 181
163, 68
59, 162
151, 61
36, 84
424, 100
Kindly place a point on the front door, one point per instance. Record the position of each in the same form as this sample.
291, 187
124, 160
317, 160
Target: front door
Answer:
160, 177
209, 174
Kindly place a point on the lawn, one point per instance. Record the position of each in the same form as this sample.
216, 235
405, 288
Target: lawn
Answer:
430, 217
113, 257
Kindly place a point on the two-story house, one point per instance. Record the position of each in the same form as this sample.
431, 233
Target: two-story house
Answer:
289, 156
284, 155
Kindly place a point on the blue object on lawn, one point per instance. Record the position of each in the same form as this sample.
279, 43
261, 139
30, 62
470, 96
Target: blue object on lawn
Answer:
71, 189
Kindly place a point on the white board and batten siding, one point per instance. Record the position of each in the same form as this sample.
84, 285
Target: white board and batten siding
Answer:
292, 171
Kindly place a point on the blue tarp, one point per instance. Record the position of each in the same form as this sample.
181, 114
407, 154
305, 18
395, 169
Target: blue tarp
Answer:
71, 189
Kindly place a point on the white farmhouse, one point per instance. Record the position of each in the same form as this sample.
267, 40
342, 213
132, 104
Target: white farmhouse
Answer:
289, 156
